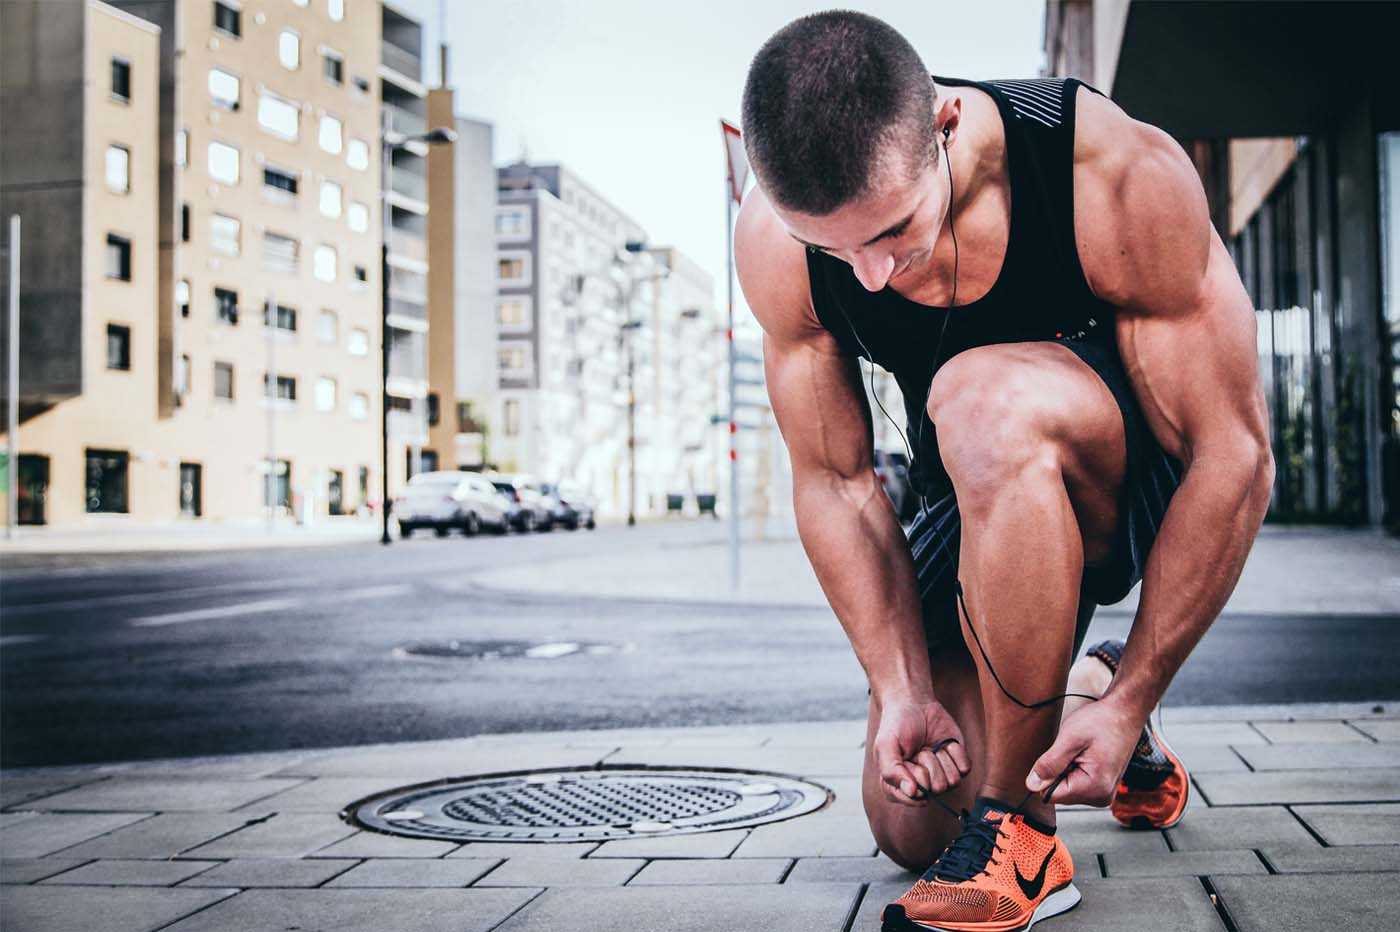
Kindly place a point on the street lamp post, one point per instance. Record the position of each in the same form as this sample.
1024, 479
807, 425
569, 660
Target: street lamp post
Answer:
388, 142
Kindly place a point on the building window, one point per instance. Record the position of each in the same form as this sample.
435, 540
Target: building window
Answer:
361, 85
280, 253
223, 89
121, 80
330, 137
118, 257
511, 416
335, 492
286, 389
330, 199
358, 342
335, 9
184, 223
278, 116
333, 67
513, 312
434, 409
285, 318
357, 215
182, 378
324, 262
228, 17
361, 275
359, 406
514, 270
106, 481
277, 488
289, 49
280, 183
223, 380
223, 162
357, 155
514, 360
325, 394
513, 222
182, 296
182, 148
224, 234
226, 305
118, 169
328, 327
119, 347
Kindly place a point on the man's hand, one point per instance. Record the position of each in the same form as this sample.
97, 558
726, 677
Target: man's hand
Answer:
1092, 751
919, 751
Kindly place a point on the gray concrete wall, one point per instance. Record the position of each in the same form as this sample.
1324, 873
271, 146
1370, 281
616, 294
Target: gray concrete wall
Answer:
475, 286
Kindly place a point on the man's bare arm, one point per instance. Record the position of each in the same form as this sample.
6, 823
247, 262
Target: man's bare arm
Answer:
846, 523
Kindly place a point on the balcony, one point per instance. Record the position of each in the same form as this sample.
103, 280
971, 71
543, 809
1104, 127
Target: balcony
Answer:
410, 286
410, 184
405, 121
412, 314
407, 245
403, 61
408, 357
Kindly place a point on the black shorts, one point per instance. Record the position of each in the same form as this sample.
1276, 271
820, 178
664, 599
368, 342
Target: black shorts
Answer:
1151, 477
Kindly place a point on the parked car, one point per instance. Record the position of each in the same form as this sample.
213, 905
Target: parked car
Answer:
444, 500
572, 505
892, 469
534, 510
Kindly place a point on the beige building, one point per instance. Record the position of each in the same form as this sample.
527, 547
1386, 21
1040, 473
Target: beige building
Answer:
220, 183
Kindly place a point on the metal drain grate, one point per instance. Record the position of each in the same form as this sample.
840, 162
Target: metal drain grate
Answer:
584, 805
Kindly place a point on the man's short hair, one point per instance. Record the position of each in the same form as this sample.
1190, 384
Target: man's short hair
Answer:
830, 99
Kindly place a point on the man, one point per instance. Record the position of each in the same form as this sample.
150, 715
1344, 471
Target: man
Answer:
1077, 357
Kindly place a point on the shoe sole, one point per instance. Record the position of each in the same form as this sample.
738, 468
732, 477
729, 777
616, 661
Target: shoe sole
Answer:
1060, 901
1142, 823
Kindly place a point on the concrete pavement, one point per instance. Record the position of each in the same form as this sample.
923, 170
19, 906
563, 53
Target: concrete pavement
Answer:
1295, 824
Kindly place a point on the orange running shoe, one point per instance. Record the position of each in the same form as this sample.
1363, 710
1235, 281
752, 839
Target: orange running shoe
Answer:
1155, 786
1003, 873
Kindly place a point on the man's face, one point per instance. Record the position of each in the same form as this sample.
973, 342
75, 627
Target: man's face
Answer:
883, 235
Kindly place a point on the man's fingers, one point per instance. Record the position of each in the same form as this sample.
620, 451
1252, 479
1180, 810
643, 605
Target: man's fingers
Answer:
937, 779
950, 767
958, 754
1053, 763
900, 784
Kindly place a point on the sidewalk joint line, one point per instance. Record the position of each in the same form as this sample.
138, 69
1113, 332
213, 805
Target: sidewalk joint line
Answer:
238, 891
1103, 866
1200, 792
792, 863
1219, 903
1265, 861
542, 891
1256, 730
1306, 827
1243, 759
1167, 837
1354, 727
854, 911
149, 817
354, 863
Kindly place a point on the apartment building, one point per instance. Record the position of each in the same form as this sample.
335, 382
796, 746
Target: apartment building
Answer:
219, 183
1289, 113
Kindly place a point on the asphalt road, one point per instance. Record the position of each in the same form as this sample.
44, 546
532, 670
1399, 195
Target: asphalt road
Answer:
130, 657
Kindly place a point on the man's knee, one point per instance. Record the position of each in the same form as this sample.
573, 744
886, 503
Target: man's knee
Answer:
908, 842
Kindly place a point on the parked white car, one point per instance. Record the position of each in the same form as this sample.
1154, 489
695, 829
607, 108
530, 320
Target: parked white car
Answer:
445, 500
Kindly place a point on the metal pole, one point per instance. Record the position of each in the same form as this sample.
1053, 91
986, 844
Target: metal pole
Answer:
733, 424
12, 402
631, 416
384, 157
270, 391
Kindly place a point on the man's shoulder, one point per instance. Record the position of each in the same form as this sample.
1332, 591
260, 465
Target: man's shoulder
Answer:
772, 268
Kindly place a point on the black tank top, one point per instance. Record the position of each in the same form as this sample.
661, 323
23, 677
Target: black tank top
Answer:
1040, 293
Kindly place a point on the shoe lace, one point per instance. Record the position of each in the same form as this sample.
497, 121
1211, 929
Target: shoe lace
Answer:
970, 853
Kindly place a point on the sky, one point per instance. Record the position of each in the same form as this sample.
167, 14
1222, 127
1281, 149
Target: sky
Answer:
628, 94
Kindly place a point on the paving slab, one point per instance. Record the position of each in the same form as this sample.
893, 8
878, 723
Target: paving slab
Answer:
1311, 732
818, 835
1380, 729
284, 835
161, 836
435, 763
223, 766
28, 870
877, 897
712, 871
1202, 758
131, 909
797, 761
1095, 831
1182, 863
879, 869
54, 831
1350, 859
525, 849
407, 872
1180, 904
160, 794
1235, 733
377, 845
733, 908
551, 872
1321, 755
1292, 903
1377, 824
1376, 784
1225, 827
698, 845
424, 910
270, 872
331, 794
20, 787
131, 873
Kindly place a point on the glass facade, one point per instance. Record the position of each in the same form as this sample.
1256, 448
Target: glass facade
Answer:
1388, 158
1287, 259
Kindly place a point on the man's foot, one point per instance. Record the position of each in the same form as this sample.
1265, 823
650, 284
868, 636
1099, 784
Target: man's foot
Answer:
1003, 873
1155, 786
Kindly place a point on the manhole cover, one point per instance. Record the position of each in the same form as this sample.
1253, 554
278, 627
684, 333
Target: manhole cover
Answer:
585, 805
505, 649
